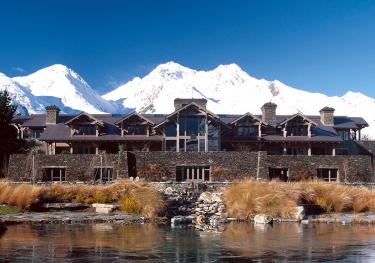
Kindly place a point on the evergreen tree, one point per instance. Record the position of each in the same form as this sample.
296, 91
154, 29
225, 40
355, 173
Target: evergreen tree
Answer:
8, 133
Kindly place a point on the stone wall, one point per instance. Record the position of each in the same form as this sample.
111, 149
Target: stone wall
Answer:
225, 166
354, 167
79, 167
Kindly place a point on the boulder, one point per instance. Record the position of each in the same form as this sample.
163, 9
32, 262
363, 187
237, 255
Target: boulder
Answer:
182, 220
168, 191
208, 197
201, 219
262, 219
299, 213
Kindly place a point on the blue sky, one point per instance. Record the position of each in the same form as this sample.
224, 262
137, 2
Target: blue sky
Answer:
322, 46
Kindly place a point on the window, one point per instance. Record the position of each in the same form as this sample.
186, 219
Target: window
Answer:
192, 125
245, 131
344, 134
171, 129
35, 134
193, 173
103, 174
85, 149
297, 130
86, 130
278, 173
327, 174
54, 174
137, 130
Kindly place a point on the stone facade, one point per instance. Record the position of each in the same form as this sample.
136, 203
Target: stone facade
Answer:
224, 166
78, 167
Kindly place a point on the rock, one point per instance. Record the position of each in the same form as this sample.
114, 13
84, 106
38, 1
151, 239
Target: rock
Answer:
182, 220
201, 219
299, 213
168, 191
208, 197
262, 219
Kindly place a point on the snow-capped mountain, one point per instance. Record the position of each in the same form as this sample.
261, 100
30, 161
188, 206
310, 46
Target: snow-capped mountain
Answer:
227, 88
60, 82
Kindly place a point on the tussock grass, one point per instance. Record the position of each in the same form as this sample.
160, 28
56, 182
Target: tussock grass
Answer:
278, 199
149, 201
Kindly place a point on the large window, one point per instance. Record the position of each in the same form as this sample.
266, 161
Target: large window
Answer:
171, 129
137, 130
193, 173
245, 131
86, 130
192, 125
54, 174
213, 138
344, 134
327, 174
297, 130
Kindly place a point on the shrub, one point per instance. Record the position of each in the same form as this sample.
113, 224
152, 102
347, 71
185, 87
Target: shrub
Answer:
134, 197
128, 204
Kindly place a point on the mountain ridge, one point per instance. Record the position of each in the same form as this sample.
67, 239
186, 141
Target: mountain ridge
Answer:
228, 89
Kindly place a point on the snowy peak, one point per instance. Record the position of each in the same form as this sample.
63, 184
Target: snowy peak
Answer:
227, 88
61, 82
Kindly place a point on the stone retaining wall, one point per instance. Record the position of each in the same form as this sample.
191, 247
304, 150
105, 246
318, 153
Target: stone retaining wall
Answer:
78, 167
224, 166
353, 168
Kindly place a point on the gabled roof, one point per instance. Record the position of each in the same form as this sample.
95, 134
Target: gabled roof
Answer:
87, 115
187, 106
248, 114
134, 114
298, 115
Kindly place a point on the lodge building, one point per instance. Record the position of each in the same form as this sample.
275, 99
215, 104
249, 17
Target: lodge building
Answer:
193, 144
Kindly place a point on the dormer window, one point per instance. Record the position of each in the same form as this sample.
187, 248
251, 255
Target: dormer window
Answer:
246, 131
86, 130
134, 129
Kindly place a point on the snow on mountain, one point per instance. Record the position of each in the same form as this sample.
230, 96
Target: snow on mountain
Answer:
21, 96
60, 82
229, 89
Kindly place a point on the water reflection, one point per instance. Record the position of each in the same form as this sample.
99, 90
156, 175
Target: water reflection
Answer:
152, 243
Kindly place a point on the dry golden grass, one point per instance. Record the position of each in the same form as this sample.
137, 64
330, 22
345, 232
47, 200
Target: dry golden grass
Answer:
278, 199
26, 196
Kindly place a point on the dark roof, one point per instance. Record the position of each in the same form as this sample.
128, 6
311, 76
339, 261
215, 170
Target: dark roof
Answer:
61, 131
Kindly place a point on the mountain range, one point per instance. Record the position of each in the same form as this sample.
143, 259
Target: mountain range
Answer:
228, 89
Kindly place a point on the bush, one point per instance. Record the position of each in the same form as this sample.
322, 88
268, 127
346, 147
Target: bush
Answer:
134, 197
279, 199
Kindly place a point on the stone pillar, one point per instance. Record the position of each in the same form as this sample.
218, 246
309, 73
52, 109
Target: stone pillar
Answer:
333, 151
309, 150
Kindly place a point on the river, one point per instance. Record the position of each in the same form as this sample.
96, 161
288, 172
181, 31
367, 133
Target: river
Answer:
239, 242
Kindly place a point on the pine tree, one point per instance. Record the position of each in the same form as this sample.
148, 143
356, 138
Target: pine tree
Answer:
8, 133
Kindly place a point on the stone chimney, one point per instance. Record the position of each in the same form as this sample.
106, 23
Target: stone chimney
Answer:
326, 116
179, 103
269, 113
52, 114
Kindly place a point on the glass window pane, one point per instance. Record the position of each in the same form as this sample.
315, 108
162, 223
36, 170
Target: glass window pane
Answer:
170, 145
